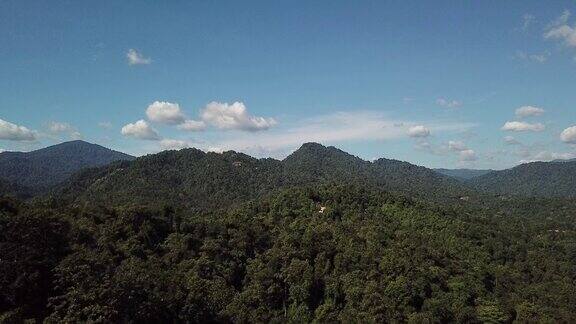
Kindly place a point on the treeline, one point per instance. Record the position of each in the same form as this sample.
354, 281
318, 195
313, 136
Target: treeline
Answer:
330, 253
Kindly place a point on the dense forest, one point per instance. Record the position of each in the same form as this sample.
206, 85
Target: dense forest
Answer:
202, 180
322, 236
327, 253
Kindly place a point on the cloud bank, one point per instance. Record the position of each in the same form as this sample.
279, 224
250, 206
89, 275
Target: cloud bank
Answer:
234, 116
140, 130
13, 132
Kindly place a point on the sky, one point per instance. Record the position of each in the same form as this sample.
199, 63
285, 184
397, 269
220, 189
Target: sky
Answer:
454, 84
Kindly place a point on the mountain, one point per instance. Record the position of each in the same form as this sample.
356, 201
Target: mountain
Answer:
189, 236
8, 188
537, 179
463, 174
41, 169
207, 180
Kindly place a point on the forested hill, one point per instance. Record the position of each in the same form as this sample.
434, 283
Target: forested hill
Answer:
327, 254
12, 189
41, 169
537, 179
207, 180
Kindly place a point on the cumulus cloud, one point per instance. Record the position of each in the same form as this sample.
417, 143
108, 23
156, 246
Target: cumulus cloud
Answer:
464, 153
331, 129
234, 116
516, 126
140, 130
449, 103
569, 135
105, 124
527, 21
58, 128
456, 146
510, 140
165, 112
172, 144
135, 58
418, 131
538, 58
192, 125
562, 31
468, 156
12, 132
527, 111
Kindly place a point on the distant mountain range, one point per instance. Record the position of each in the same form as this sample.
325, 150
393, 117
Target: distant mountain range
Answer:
37, 171
463, 174
207, 180
537, 179
80, 171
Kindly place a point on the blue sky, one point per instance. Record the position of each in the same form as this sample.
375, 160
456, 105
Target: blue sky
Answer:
430, 82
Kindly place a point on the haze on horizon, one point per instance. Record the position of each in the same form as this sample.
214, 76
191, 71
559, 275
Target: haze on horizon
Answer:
442, 84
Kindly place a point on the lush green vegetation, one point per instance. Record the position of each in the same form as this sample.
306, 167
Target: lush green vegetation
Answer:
368, 256
322, 236
204, 181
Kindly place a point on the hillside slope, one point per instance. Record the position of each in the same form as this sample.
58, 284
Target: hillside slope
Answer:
537, 179
41, 169
207, 180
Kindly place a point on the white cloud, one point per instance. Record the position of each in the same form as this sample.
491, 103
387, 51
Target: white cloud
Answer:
234, 116
546, 156
215, 149
75, 135
105, 124
527, 20
457, 146
135, 58
329, 129
192, 125
165, 112
468, 156
172, 144
418, 131
564, 33
560, 30
12, 132
448, 103
569, 135
464, 153
539, 58
516, 126
562, 19
510, 140
526, 111
141, 130
57, 128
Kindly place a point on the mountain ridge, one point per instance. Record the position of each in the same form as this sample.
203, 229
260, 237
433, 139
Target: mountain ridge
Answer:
206, 180
535, 179
41, 169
